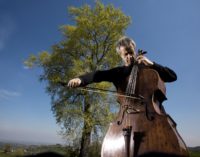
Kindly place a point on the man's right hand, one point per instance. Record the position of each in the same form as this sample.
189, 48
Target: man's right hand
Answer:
74, 82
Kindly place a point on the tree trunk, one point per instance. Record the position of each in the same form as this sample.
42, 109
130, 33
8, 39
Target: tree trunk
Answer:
86, 133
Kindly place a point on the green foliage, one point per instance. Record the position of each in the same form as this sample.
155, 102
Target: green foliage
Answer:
95, 149
7, 154
87, 46
19, 152
7, 148
194, 154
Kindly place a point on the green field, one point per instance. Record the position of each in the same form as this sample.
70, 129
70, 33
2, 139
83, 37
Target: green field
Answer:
64, 151
194, 154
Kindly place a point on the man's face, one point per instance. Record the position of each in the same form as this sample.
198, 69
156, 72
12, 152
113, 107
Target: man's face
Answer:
127, 54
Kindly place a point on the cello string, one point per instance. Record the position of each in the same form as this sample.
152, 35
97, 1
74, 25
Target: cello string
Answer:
130, 90
126, 99
134, 82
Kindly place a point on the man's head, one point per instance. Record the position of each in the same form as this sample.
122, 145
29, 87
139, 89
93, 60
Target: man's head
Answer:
126, 49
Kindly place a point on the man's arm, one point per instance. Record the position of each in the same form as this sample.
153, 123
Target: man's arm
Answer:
96, 76
166, 74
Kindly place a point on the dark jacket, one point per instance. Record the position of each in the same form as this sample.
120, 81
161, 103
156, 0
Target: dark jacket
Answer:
120, 73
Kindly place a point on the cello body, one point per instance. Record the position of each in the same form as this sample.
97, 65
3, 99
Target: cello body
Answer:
143, 128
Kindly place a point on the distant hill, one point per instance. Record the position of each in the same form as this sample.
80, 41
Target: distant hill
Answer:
2, 144
18, 144
196, 149
13, 144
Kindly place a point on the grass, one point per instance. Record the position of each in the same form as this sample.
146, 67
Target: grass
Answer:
17, 154
2, 154
194, 154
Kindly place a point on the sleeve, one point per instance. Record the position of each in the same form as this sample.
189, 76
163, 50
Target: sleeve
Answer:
100, 75
166, 74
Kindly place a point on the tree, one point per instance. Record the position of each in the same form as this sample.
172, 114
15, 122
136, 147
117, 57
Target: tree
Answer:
7, 148
88, 45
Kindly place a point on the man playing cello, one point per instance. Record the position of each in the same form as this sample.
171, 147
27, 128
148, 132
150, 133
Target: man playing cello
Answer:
135, 133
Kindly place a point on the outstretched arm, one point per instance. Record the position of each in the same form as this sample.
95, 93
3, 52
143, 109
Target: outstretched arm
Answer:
96, 76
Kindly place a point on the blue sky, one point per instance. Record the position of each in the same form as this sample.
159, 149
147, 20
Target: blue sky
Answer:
167, 29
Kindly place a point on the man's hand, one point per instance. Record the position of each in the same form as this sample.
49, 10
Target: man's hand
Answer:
142, 59
74, 82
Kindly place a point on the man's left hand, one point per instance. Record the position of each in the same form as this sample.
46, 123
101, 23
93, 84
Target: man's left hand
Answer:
142, 59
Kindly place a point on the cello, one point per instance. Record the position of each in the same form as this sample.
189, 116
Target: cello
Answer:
142, 127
